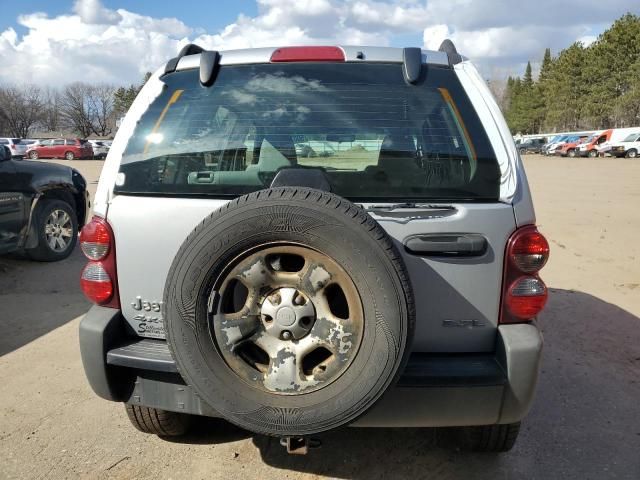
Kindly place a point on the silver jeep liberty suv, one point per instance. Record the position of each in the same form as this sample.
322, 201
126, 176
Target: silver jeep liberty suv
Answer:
298, 239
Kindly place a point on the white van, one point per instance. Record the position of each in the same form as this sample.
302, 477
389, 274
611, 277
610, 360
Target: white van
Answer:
617, 136
628, 147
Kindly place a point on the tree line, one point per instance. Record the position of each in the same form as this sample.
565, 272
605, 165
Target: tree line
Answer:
582, 88
80, 108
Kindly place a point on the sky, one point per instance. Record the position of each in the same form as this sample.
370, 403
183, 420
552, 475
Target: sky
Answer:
55, 42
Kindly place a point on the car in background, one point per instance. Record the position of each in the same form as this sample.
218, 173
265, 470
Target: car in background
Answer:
533, 145
42, 207
629, 147
100, 149
553, 143
590, 148
569, 149
617, 135
14, 145
551, 149
69, 148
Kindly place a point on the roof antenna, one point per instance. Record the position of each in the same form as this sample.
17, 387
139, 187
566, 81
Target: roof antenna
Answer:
449, 48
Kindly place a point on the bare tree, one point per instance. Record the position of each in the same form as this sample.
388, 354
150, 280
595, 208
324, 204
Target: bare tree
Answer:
50, 118
89, 108
101, 109
21, 108
74, 108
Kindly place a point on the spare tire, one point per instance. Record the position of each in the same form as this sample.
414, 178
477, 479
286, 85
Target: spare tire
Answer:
289, 311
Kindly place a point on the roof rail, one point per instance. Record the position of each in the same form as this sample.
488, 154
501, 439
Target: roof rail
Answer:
449, 48
188, 49
411, 64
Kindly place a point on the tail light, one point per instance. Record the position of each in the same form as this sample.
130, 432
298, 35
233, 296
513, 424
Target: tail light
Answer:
98, 280
524, 293
308, 54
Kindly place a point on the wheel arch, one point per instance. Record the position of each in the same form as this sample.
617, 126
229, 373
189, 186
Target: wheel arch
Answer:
60, 193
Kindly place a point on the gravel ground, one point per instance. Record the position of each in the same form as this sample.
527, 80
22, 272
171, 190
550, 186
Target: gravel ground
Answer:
585, 422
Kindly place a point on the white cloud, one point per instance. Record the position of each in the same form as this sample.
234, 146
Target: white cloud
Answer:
92, 11
94, 43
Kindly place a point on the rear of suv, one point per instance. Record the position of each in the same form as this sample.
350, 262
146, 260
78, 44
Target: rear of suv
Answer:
302, 238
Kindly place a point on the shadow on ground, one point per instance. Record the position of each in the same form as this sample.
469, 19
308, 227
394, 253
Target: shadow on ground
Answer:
585, 422
37, 297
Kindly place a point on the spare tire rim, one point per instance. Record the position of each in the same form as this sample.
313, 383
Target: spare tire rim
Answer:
288, 319
58, 230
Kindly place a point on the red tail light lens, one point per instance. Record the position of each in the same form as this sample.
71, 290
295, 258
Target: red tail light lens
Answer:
95, 239
528, 250
96, 283
525, 294
308, 54
99, 279
526, 297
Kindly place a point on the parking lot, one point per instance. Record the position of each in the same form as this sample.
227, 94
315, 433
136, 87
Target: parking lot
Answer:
585, 422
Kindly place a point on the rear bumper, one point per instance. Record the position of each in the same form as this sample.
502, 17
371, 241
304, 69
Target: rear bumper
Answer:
433, 390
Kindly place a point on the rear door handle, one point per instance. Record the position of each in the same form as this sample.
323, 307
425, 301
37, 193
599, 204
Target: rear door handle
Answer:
447, 244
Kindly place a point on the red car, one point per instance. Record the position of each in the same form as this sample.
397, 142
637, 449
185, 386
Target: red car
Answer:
69, 148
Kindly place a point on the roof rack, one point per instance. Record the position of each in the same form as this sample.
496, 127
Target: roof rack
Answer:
209, 62
449, 48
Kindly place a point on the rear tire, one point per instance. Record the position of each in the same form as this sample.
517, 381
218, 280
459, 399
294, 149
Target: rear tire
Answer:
158, 422
593, 153
69, 155
571, 153
633, 153
522, 151
491, 438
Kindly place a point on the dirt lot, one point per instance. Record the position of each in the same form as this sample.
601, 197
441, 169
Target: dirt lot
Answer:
585, 422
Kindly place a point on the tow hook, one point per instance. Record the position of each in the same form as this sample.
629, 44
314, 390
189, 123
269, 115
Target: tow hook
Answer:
299, 445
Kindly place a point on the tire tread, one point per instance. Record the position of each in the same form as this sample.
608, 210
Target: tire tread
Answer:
156, 421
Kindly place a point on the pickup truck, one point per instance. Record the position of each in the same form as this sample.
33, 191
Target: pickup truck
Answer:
42, 207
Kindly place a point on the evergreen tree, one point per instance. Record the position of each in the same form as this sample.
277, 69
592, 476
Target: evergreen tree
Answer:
566, 88
124, 97
608, 70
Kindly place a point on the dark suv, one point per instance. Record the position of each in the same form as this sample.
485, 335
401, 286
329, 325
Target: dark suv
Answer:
533, 145
42, 207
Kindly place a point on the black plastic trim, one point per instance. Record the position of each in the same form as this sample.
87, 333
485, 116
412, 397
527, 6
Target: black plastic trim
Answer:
447, 370
447, 244
101, 329
188, 49
209, 66
422, 370
449, 48
145, 354
411, 64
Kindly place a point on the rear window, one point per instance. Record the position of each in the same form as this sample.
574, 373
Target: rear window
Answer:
373, 136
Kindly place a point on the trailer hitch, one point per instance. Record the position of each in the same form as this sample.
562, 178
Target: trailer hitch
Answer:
299, 445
